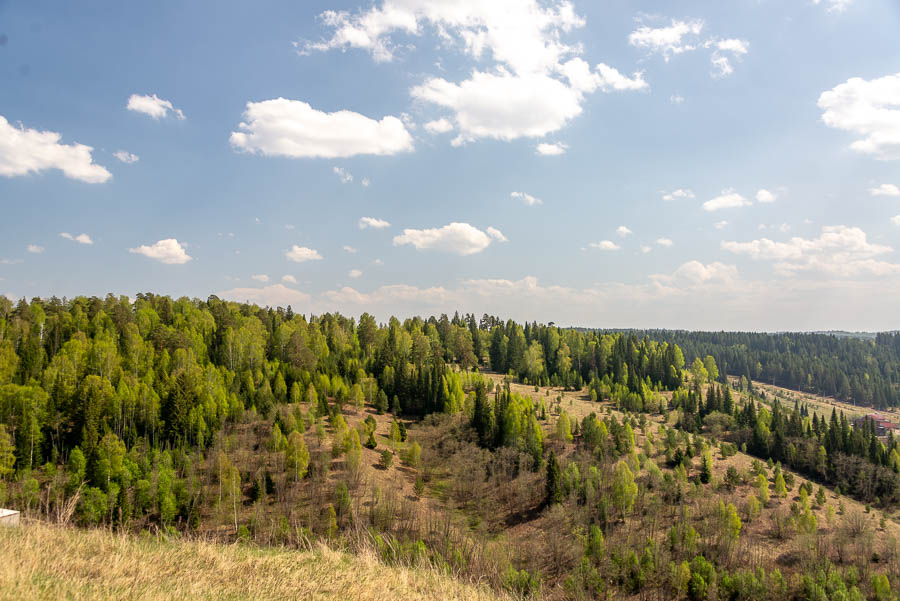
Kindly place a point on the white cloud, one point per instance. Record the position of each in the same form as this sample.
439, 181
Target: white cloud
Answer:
868, 108
840, 251
684, 36
676, 99
24, 151
292, 128
456, 238
153, 106
645, 249
496, 234
260, 277
438, 126
274, 295
521, 93
695, 272
605, 245
301, 254
526, 198
835, 6
895, 220
288, 279
669, 40
885, 190
80, 238
168, 251
764, 196
503, 106
551, 149
35, 249
365, 182
345, 176
679, 193
664, 241
720, 224
354, 273
623, 231
126, 157
726, 200
350, 249
373, 222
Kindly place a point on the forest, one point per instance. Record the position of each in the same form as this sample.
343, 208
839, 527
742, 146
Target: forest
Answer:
860, 370
547, 462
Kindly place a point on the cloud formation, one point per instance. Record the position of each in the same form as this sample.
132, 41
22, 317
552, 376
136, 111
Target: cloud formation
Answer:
80, 238
153, 106
728, 199
292, 128
24, 150
302, 254
885, 190
457, 238
373, 222
870, 109
168, 251
527, 199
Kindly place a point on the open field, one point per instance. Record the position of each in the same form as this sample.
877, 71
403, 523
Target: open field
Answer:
47, 562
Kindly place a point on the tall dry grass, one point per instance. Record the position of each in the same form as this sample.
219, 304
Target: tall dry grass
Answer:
42, 561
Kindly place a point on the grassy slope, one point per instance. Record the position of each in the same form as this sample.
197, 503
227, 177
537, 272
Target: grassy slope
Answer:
40, 561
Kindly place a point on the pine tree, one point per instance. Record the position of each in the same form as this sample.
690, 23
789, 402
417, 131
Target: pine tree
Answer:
553, 481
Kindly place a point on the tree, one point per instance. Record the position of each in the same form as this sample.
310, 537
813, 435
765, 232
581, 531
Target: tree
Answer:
563, 428
553, 482
296, 455
780, 487
7, 453
624, 488
706, 467
762, 489
387, 459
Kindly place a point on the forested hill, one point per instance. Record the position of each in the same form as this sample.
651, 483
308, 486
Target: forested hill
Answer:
864, 371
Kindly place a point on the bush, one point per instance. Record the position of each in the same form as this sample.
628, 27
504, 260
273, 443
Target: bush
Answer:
387, 459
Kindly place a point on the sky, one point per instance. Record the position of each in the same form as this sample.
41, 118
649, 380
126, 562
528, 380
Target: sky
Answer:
698, 165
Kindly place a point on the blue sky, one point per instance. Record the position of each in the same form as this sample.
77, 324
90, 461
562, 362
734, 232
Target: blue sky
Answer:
619, 164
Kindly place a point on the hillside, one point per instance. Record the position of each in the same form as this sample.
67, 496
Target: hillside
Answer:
47, 562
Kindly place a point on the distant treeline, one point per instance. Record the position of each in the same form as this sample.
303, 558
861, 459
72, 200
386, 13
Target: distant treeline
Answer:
856, 370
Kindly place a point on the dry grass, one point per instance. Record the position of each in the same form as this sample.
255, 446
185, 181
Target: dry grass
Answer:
40, 561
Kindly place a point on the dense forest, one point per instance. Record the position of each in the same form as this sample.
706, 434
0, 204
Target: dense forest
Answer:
452, 440
863, 371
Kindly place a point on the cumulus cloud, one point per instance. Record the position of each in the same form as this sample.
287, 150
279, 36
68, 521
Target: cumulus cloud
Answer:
288, 279
345, 176
885, 190
720, 224
684, 36
354, 273
605, 245
438, 126
679, 193
456, 238
664, 241
673, 39
275, 295
126, 157
527, 199
728, 199
622, 231
895, 220
24, 151
80, 238
551, 149
496, 234
153, 105
869, 109
373, 222
292, 128
301, 254
695, 272
168, 251
260, 277
764, 196
839, 251
534, 85
350, 249
35, 249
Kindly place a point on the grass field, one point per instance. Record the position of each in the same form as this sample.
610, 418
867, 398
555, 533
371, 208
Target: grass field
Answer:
41, 561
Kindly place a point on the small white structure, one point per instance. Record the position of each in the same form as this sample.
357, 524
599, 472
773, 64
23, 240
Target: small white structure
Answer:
9, 517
